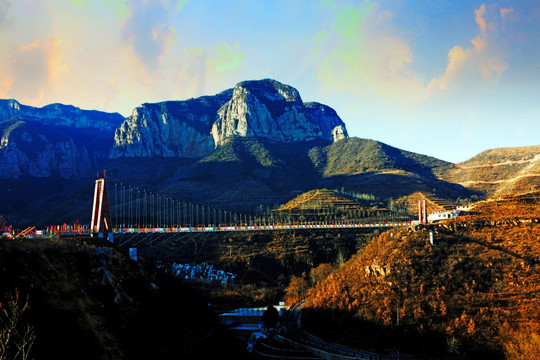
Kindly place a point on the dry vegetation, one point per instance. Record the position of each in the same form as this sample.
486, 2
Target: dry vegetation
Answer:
474, 294
329, 205
499, 172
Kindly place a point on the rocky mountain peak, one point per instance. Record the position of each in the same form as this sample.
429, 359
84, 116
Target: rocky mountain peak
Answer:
14, 104
274, 111
169, 129
9, 109
269, 89
265, 109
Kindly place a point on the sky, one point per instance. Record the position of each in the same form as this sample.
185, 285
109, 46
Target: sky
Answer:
443, 78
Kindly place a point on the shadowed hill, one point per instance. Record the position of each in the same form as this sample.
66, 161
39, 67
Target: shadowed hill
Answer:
88, 300
356, 156
250, 173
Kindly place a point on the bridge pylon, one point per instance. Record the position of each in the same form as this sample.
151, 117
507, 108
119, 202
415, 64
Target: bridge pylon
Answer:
101, 212
422, 214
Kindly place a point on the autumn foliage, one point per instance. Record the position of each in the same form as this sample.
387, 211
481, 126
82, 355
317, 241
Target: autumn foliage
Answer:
475, 293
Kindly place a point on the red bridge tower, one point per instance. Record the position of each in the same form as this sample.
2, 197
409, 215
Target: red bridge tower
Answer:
422, 214
101, 212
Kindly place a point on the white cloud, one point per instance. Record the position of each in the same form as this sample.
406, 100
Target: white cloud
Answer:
363, 53
479, 18
147, 31
31, 68
482, 62
507, 13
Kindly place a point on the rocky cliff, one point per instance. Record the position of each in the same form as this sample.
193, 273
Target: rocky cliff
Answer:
60, 115
274, 111
193, 128
53, 140
26, 148
169, 129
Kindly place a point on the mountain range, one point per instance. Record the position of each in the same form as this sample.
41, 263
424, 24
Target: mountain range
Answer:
255, 146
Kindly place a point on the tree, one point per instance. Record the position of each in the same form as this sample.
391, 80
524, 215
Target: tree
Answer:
16, 336
523, 346
297, 289
320, 273
4, 227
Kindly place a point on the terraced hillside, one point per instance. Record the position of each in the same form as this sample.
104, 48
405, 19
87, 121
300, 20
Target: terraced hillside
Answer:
321, 199
499, 172
324, 203
319, 203
433, 204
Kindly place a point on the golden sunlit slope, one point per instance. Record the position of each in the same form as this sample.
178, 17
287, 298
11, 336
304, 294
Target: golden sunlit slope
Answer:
475, 292
333, 205
319, 198
500, 172
433, 204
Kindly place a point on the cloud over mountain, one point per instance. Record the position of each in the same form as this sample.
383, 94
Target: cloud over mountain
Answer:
147, 29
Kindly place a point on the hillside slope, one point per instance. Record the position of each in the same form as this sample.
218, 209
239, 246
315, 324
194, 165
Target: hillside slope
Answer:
249, 173
500, 172
88, 300
471, 293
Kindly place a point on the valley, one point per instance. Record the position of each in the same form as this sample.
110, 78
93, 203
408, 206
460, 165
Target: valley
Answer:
471, 294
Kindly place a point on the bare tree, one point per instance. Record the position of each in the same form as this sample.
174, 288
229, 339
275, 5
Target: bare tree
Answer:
16, 336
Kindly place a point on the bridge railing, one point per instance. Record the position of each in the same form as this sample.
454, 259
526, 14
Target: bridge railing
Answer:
85, 229
213, 228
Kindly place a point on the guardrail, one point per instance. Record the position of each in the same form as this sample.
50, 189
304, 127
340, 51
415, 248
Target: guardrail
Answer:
264, 227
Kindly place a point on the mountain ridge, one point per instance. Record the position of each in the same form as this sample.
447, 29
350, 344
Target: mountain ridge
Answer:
55, 138
256, 145
193, 128
57, 114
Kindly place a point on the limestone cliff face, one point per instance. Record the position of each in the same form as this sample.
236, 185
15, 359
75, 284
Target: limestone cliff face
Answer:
27, 148
169, 129
53, 140
274, 111
193, 128
60, 115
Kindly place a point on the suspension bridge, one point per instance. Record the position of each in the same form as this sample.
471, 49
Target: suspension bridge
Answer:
120, 208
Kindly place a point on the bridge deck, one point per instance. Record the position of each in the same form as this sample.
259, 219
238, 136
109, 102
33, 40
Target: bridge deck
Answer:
265, 227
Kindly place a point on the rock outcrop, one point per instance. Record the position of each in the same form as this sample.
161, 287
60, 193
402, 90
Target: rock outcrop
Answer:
54, 140
193, 128
274, 111
169, 129
60, 115
35, 150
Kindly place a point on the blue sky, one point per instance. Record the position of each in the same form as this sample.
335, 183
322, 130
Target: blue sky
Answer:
443, 78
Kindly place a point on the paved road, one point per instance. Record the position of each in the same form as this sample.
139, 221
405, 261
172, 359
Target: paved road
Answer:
292, 330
